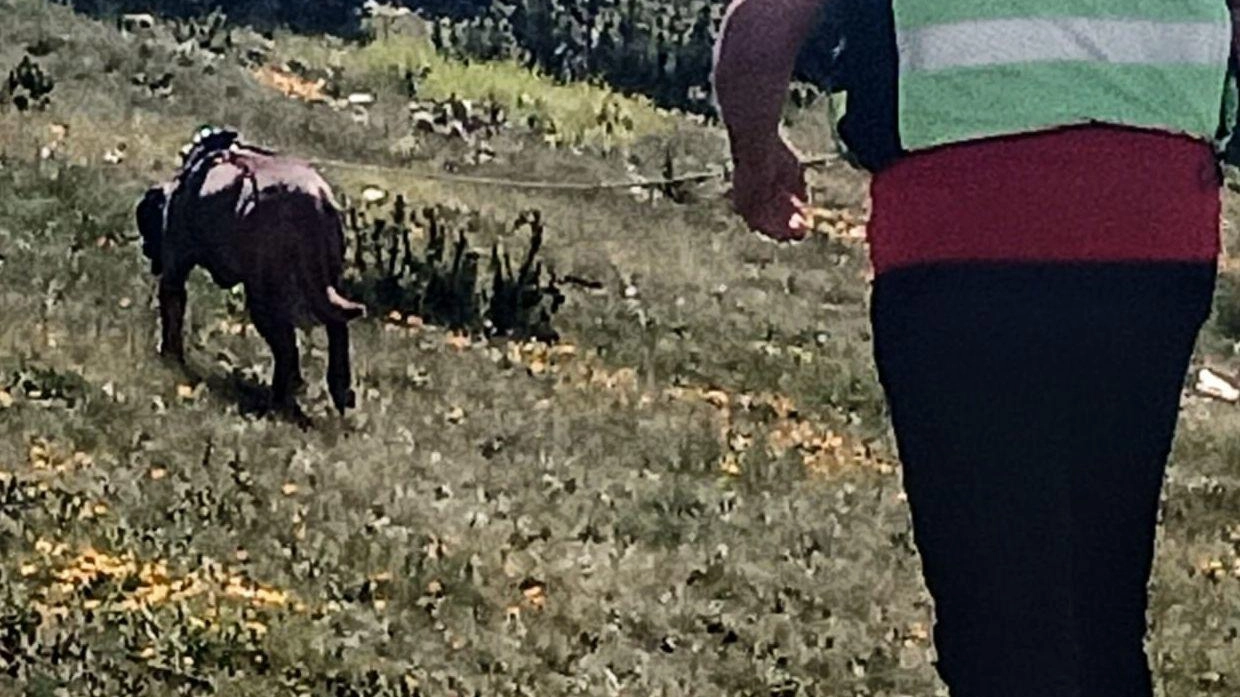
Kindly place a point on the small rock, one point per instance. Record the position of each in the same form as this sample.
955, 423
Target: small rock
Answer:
1211, 384
455, 415
373, 195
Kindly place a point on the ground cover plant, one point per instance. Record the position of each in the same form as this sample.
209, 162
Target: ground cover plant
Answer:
687, 489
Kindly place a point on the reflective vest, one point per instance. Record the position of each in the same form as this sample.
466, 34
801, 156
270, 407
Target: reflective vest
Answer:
925, 73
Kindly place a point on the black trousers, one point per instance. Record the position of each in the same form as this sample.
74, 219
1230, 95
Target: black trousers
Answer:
1034, 408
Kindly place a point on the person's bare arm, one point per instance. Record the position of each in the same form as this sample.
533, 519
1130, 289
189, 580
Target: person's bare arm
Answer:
754, 59
753, 63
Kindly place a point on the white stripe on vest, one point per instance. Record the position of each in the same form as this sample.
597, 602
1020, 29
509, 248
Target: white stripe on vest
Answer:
991, 42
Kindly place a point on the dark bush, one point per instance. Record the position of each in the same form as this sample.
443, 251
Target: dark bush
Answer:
27, 87
660, 48
442, 282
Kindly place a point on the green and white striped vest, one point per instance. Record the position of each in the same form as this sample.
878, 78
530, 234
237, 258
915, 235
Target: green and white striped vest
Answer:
971, 69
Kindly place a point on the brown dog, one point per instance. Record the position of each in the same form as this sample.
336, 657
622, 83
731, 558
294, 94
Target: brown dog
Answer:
252, 217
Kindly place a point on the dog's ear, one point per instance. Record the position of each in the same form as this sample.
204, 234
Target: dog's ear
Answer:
150, 214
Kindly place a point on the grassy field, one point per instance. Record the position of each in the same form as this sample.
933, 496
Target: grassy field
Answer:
694, 493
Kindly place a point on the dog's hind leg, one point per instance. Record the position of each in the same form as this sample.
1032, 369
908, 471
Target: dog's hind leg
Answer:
338, 371
281, 336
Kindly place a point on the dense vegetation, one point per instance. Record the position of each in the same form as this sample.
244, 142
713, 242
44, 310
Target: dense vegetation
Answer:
335, 16
659, 48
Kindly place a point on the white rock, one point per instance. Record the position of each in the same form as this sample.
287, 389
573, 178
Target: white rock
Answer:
373, 194
378, 9
135, 22
1211, 384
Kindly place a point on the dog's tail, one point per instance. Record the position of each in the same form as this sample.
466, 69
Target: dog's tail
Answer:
346, 309
321, 260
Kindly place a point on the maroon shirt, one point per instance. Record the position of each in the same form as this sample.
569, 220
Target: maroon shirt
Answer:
1083, 194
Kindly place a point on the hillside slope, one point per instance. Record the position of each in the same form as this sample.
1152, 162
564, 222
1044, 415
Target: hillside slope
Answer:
694, 492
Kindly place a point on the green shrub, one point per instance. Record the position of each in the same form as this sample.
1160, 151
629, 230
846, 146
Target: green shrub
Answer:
443, 282
659, 48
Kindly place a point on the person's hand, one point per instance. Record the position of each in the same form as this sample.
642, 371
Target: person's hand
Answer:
768, 190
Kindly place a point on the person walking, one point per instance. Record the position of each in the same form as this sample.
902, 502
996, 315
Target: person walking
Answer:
1044, 234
